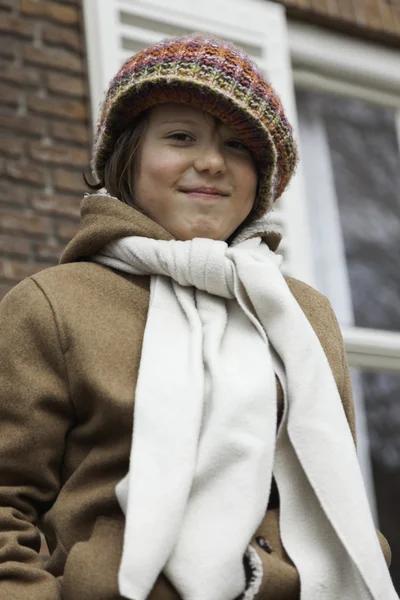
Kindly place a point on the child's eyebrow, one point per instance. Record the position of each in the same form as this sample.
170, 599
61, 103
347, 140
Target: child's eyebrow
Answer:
183, 120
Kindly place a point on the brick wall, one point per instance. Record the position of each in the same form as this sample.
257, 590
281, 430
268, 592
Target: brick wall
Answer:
44, 132
44, 116
377, 20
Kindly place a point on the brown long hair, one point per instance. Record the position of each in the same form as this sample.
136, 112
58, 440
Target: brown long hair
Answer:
119, 171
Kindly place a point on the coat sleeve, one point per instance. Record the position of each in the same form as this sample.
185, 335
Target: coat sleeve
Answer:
35, 415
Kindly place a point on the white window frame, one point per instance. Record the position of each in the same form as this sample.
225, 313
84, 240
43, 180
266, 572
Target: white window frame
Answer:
331, 62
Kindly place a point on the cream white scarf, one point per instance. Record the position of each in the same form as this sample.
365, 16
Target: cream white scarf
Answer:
221, 323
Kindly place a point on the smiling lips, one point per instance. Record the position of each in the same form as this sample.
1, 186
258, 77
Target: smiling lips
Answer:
210, 192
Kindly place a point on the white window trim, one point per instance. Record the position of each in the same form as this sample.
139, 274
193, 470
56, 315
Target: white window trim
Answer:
335, 63
330, 54
373, 349
102, 57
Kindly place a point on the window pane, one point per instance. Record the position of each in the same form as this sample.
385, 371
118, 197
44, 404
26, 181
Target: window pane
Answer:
365, 162
351, 161
381, 399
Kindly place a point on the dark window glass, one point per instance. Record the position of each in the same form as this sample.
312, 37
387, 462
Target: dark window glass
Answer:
381, 394
366, 166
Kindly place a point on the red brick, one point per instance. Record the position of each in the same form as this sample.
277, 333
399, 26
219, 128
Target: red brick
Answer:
26, 124
70, 132
320, 6
15, 25
359, 12
396, 18
58, 107
372, 14
9, 47
10, 244
22, 75
7, 4
298, 3
66, 231
11, 146
16, 270
53, 59
385, 16
20, 172
18, 221
66, 85
57, 204
12, 194
70, 181
54, 11
48, 251
326, 7
389, 21
58, 155
346, 10
60, 36
9, 94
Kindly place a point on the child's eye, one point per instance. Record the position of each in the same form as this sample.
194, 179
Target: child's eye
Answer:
180, 137
238, 145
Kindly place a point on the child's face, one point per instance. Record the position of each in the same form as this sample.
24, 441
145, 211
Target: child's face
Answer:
185, 149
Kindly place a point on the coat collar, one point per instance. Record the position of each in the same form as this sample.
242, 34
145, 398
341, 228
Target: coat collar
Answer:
105, 218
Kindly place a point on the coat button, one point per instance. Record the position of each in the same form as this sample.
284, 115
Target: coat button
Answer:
262, 542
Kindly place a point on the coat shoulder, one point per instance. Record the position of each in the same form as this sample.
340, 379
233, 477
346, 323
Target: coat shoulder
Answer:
322, 318
88, 279
81, 293
305, 294
316, 308
71, 274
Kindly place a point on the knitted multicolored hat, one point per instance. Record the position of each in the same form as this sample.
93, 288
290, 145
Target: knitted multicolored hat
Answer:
211, 74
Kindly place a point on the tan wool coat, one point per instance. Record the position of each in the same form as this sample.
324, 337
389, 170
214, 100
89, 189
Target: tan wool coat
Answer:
70, 347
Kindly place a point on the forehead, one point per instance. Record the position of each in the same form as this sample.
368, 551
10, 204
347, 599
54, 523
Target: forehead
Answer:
175, 112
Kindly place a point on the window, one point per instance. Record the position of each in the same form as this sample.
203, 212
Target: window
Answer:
350, 144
